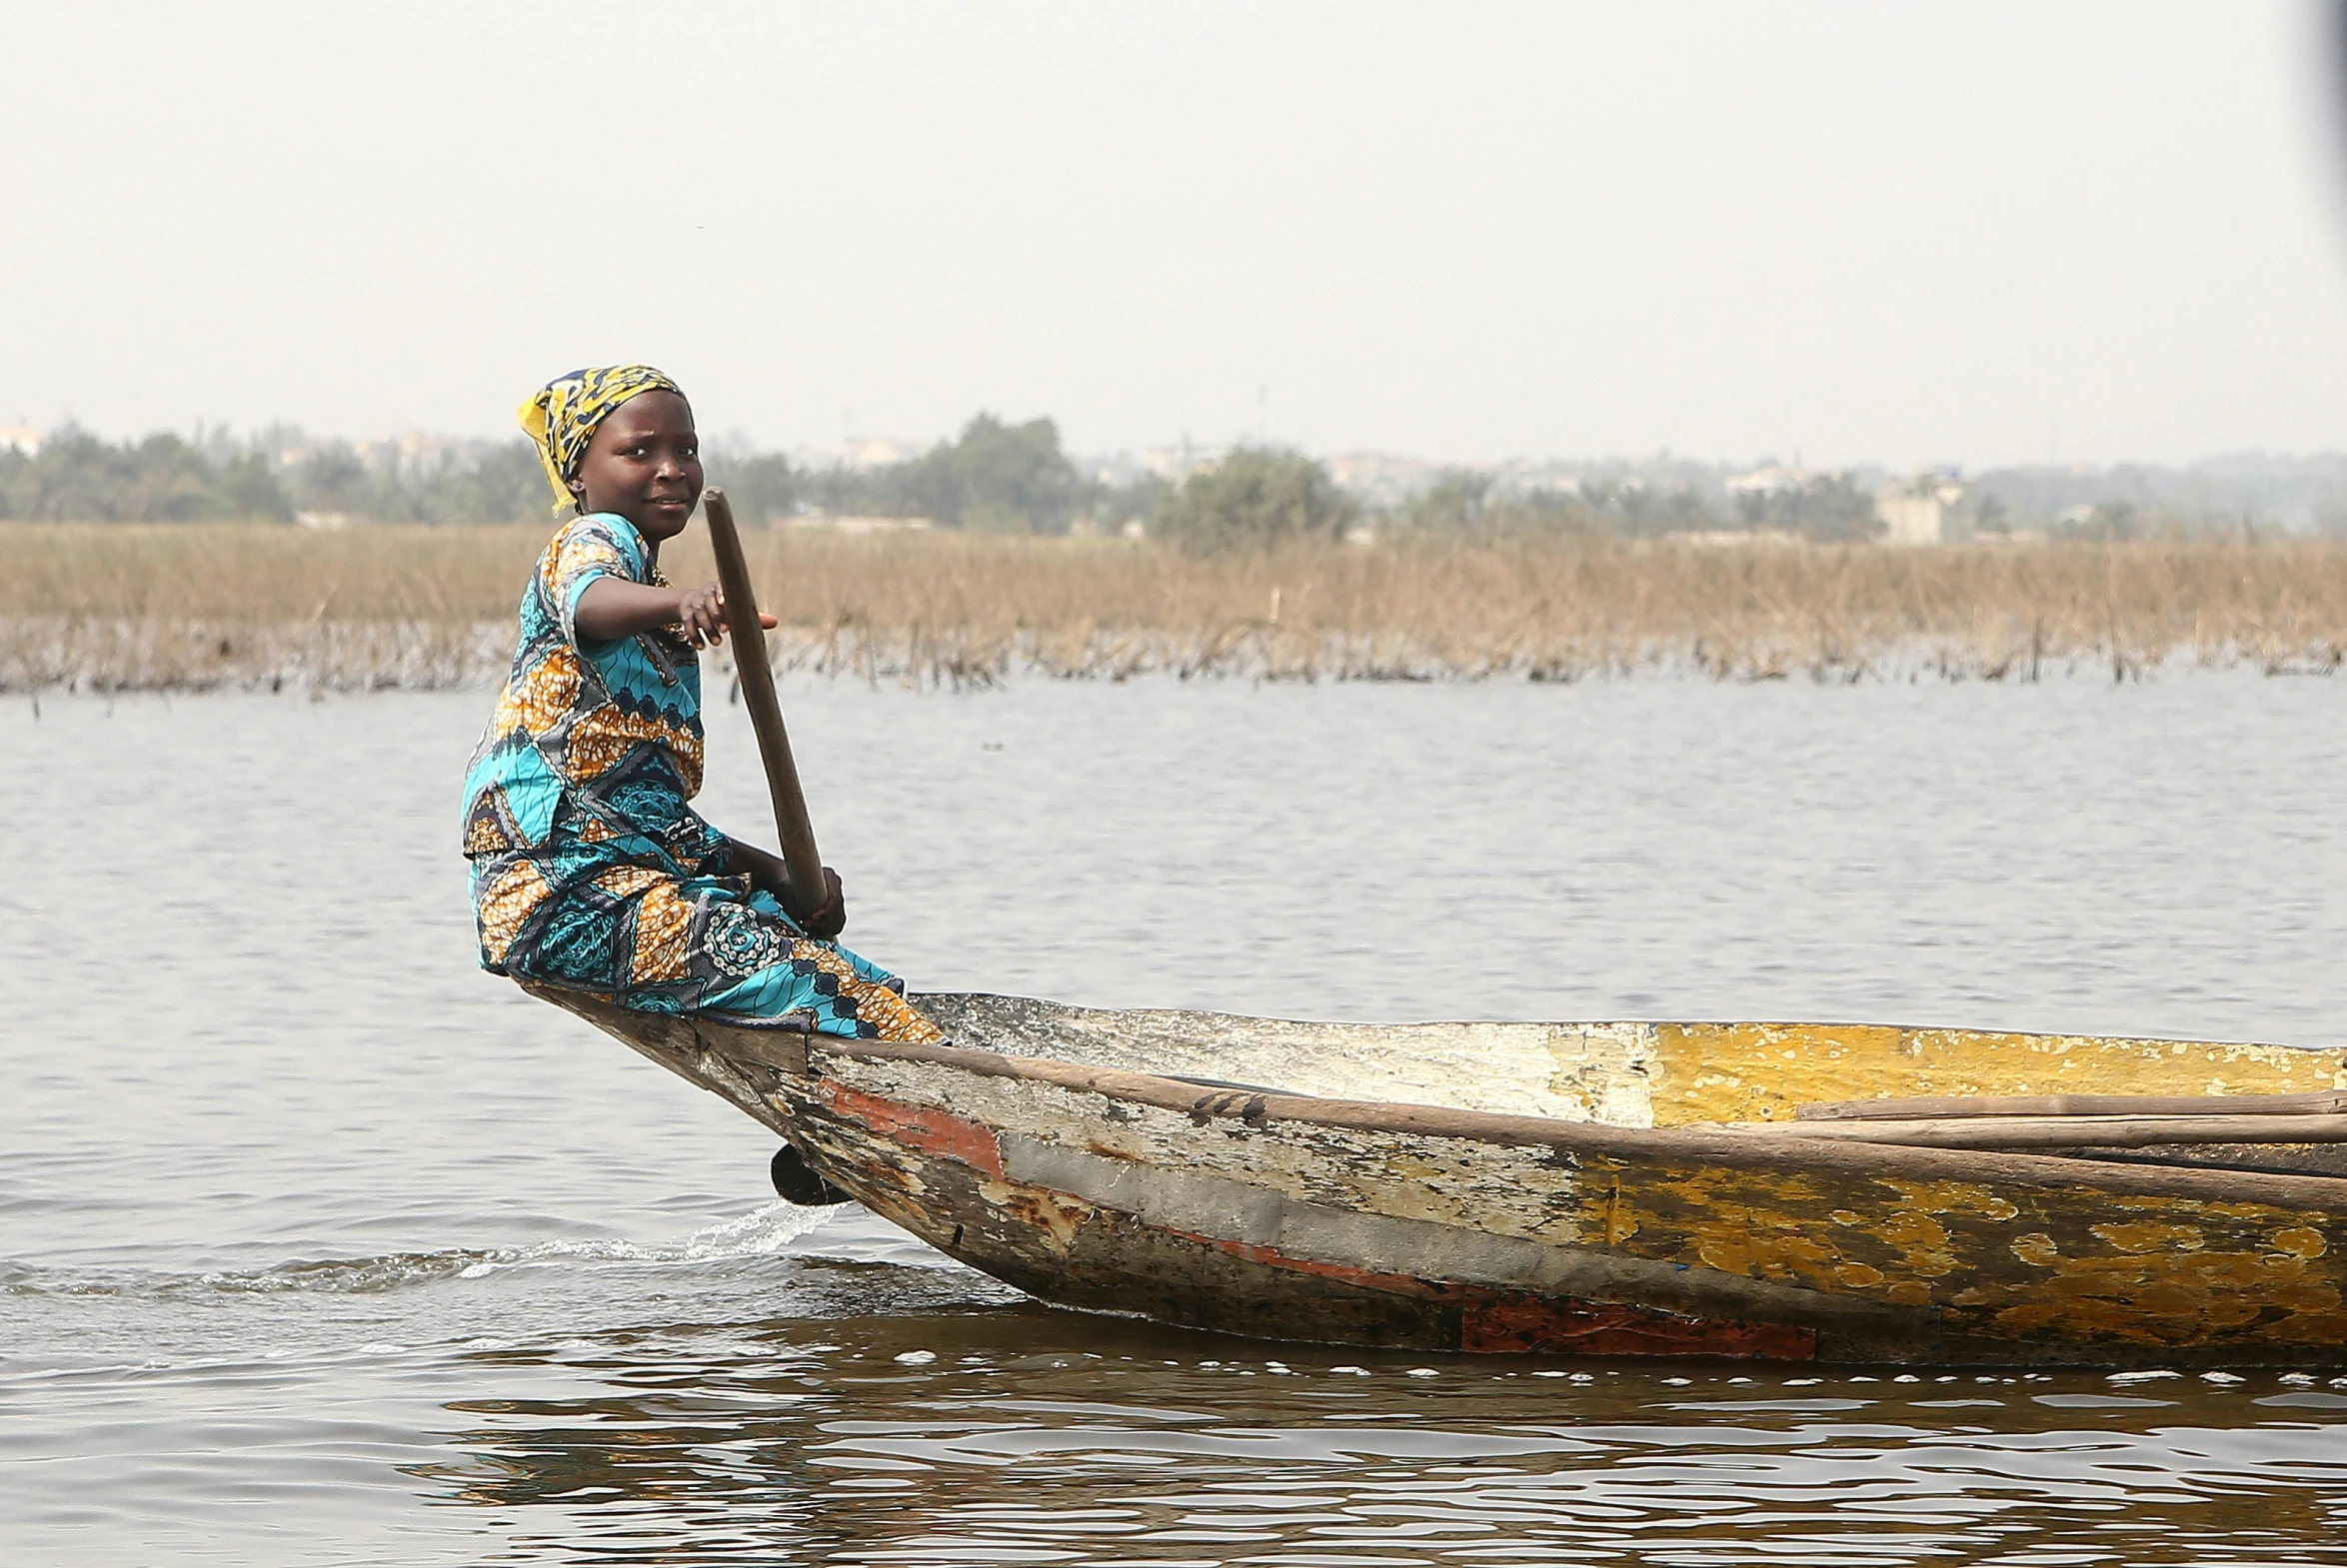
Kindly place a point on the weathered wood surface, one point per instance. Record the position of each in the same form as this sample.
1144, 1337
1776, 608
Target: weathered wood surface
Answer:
1361, 1221
2306, 1160
1944, 1106
1632, 1074
1766, 1072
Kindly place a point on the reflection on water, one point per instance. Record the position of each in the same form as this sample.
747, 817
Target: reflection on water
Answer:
318, 1247
1047, 1439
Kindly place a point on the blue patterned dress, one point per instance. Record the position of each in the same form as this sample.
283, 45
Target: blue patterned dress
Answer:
590, 871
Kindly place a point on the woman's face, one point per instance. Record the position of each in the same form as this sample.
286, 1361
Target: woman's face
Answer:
644, 463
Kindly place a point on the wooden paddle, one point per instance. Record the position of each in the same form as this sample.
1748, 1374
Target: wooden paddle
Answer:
800, 855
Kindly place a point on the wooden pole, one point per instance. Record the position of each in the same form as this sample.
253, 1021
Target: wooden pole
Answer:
2317, 1103
797, 836
2055, 1132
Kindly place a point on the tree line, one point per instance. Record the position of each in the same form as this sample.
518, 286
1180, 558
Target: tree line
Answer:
993, 477
272, 478
1002, 477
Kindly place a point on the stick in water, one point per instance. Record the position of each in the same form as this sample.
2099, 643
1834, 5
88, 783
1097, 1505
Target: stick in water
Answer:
800, 857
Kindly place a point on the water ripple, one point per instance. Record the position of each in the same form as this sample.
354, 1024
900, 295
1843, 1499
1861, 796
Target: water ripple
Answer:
768, 1232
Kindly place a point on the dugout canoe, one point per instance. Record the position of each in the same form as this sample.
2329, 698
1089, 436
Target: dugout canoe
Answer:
1590, 1188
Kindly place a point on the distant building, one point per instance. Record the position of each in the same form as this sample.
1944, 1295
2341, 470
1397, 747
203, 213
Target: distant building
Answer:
873, 452
1178, 463
1520, 477
1931, 508
1115, 469
1380, 477
858, 453
21, 438
412, 453
1772, 478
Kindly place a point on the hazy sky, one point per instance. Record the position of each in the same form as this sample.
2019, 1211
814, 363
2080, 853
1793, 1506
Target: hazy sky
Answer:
1905, 232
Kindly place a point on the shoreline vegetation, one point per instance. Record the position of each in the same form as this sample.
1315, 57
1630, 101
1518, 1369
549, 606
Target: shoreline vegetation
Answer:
200, 606
999, 476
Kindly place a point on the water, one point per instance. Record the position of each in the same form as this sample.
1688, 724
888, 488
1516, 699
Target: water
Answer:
319, 1246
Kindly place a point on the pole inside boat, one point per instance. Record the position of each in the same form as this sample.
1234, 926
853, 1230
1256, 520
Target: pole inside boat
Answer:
2057, 1132
796, 834
1942, 1107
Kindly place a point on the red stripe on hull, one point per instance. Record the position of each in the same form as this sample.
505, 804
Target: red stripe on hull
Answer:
1494, 1322
1516, 1324
917, 1128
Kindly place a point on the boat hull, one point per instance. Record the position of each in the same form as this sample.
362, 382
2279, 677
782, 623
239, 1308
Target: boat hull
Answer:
1378, 1224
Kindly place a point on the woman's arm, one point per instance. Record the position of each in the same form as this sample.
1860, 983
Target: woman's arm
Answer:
613, 606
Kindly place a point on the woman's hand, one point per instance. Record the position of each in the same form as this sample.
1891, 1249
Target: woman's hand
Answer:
702, 613
770, 874
826, 923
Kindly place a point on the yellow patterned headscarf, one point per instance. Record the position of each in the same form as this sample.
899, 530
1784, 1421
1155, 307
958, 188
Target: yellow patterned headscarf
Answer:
562, 415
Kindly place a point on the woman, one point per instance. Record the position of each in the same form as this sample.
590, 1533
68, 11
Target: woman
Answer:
589, 868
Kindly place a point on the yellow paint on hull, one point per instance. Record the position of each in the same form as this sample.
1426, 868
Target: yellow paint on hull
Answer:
1764, 1071
2005, 1262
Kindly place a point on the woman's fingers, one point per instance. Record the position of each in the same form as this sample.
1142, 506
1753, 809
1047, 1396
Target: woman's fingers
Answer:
720, 620
827, 922
705, 615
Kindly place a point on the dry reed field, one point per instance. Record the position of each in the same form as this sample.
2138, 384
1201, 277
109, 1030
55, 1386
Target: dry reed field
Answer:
118, 607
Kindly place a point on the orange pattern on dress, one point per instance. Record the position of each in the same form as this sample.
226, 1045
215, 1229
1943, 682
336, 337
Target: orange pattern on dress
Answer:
604, 736
625, 881
663, 921
533, 705
875, 1004
506, 904
482, 833
551, 691
576, 551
